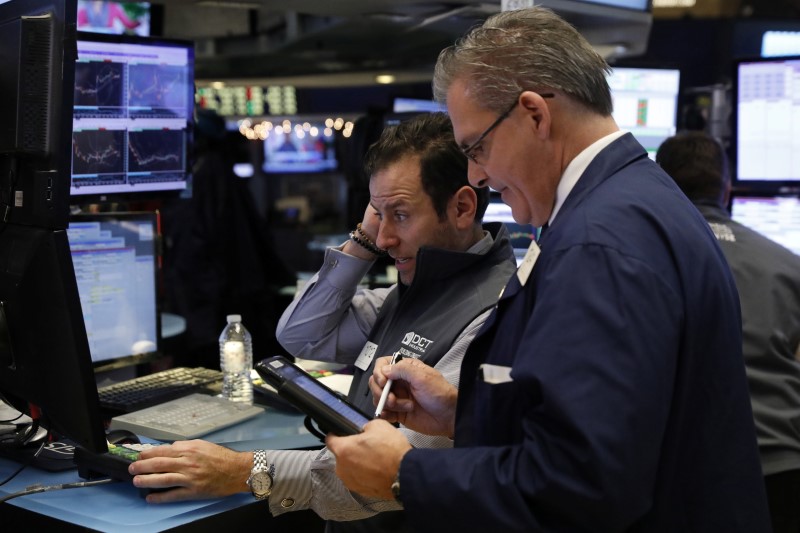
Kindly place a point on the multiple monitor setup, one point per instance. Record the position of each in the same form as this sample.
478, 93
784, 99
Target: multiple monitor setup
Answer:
45, 363
766, 148
80, 294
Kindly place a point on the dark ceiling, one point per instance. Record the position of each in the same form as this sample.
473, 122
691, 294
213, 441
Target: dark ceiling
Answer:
341, 42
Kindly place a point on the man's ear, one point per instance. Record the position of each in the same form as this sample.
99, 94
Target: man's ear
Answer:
465, 204
538, 111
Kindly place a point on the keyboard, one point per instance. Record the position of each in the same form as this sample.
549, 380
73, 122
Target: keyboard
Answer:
157, 388
185, 418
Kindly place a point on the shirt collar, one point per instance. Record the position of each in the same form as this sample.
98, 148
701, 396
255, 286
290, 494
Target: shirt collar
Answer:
482, 246
577, 166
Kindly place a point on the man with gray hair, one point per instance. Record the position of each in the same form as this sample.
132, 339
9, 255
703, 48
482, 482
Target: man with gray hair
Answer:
607, 391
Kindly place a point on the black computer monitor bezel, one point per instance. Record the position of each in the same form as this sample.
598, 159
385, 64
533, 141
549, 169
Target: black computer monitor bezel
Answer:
46, 366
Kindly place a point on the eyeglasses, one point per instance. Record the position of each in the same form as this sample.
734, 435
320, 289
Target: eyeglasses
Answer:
471, 148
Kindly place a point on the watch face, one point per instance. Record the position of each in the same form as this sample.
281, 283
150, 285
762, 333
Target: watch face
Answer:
261, 483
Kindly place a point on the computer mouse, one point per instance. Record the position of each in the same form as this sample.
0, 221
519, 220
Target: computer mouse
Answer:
122, 436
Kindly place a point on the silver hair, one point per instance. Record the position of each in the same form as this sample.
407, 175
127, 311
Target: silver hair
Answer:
525, 50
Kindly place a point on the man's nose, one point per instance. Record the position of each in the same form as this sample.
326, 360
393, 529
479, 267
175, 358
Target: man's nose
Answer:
476, 176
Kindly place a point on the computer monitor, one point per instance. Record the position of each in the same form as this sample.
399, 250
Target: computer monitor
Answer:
521, 234
767, 131
302, 147
646, 103
105, 16
775, 217
37, 40
115, 256
133, 117
45, 367
416, 105
775, 43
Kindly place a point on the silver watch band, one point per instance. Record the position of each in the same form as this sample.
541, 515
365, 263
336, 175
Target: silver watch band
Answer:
259, 460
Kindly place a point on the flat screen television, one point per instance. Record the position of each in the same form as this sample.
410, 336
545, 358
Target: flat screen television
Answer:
115, 256
646, 103
133, 117
774, 216
416, 105
775, 43
45, 366
106, 16
767, 122
299, 148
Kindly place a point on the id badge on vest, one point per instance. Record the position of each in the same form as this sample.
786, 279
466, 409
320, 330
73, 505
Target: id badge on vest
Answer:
366, 355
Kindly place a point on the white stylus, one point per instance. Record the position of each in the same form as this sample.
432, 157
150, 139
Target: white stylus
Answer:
385, 394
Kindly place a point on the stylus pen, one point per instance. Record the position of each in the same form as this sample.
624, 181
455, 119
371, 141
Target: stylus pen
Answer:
385, 394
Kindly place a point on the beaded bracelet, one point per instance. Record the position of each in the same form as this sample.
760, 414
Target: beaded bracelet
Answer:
359, 237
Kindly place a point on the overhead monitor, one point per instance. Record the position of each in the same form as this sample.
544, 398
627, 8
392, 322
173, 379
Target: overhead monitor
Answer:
416, 105
775, 217
636, 5
616, 28
106, 16
115, 256
776, 43
300, 148
133, 116
646, 103
767, 117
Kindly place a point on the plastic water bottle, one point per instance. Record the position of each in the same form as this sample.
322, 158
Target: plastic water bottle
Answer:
236, 361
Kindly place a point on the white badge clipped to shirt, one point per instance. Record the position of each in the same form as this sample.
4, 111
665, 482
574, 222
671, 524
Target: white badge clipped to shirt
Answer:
525, 268
366, 355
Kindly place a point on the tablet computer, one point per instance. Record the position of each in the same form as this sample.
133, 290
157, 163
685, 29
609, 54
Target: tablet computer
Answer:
332, 413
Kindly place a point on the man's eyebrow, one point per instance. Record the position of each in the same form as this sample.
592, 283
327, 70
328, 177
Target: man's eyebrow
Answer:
394, 204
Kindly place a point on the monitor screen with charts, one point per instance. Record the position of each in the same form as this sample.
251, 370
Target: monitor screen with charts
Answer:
646, 103
775, 217
133, 115
115, 260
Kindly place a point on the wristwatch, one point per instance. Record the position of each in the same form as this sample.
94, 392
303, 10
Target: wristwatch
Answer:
260, 480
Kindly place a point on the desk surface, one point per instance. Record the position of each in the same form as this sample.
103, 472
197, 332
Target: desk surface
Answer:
119, 507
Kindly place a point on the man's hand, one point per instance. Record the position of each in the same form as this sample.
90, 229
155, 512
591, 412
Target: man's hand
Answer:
370, 226
420, 398
196, 469
367, 463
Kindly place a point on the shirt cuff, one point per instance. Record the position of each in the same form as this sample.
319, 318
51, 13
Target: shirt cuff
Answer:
343, 271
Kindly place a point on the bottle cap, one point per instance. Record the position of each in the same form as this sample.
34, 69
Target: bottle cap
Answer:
233, 318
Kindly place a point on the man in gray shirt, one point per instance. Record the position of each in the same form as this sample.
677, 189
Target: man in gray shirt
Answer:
768, 280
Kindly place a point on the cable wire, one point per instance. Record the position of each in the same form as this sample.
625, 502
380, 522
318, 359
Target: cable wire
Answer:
34, 489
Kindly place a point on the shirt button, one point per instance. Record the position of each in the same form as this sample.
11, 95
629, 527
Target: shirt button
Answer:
333, 262
287, 503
